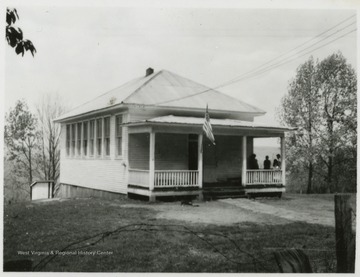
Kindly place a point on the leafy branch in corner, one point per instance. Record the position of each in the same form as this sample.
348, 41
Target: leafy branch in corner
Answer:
14, 35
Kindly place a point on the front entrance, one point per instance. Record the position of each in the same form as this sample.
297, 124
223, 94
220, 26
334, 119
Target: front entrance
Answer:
193, 152
222, 162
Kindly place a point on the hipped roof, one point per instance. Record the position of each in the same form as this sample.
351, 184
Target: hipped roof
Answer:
164, 89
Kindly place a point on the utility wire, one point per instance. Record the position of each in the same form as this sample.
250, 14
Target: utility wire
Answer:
295, 54
260, 70
279, 64
274, 59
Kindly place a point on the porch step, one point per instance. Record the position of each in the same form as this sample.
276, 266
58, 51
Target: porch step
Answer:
223, 192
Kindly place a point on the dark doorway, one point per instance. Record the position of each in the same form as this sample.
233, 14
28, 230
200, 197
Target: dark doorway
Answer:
193, 152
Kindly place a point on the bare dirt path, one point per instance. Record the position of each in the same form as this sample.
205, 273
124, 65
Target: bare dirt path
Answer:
314, 209
325, 217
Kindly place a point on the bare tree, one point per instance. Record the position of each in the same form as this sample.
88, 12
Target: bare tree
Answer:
48, 109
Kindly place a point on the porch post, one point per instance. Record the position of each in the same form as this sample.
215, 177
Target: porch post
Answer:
152, 161
200, 160
244, 155
283, 160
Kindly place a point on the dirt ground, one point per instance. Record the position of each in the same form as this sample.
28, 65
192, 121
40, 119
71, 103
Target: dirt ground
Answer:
315, 209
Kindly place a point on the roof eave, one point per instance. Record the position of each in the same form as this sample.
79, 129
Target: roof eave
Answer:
90, 113
171, 124
257, 113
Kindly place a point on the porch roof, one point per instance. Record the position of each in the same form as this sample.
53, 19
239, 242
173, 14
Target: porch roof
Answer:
191, 121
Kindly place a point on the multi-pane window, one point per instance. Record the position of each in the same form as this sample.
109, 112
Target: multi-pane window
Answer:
68, 140
107, 135
92, 137
73, 139
99, 136
85, 137
119, 121
78, 139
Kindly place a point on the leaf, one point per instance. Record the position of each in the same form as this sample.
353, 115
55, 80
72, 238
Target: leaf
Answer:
15, 12
20, 48
29, 46
8, 17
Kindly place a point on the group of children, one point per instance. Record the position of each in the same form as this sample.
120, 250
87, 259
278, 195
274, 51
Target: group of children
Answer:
253, 163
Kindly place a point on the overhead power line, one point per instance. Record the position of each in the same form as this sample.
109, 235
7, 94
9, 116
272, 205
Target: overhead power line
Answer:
306, 42
295, 54
263, 68
266, 69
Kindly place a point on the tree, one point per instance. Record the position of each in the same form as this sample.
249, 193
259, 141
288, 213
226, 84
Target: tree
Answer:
321, 102
49, 109
337, 89
14, 35
21, 137
300, 107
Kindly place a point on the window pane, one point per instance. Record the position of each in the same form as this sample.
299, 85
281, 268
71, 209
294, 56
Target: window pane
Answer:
73, 132
67, 139
79, 138
99, 136
107, 146
119, 147
119, 121
98, 146
118, 125
107, 126
99, 128
85, 136
92, 128
92, 134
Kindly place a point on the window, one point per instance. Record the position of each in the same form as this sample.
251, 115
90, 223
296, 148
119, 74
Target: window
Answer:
107, 135
73, 141
119, 121
85, 138
78, 139
68, 140
92, 135
99, 136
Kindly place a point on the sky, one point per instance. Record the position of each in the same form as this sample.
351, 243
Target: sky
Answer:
86, 50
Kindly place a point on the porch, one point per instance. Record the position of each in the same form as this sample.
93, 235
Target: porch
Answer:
177, 160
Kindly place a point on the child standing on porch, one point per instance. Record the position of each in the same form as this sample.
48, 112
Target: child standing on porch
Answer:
267, 163
277, 162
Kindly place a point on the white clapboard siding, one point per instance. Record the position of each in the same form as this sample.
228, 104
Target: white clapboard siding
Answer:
106, 173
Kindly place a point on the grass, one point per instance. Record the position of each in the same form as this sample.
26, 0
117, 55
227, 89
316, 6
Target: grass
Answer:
149, 244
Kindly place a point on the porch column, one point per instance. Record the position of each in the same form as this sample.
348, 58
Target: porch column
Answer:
152, 161
244, 155
200, 160
283, 168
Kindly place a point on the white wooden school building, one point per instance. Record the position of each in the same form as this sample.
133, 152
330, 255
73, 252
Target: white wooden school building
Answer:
146, 138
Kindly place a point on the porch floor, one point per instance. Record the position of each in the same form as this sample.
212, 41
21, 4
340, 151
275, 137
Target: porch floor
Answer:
213, 191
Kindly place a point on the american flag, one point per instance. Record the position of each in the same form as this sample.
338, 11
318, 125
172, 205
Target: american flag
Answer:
207, 127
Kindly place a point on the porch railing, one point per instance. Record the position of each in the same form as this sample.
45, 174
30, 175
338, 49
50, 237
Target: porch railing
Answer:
176, 178
262, 176
139, 177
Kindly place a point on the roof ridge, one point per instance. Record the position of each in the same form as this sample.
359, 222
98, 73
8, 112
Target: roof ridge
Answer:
143, 85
